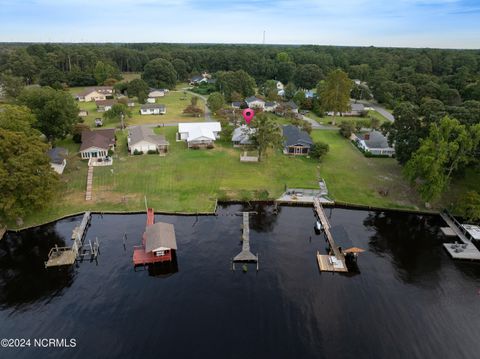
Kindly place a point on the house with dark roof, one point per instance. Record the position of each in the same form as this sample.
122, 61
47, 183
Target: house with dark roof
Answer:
292, 106
97, 143
297, 142
104, 105
255, 102
270, 106
142, 139
237, 104
58, 158
356, 110
153, 109
374, 143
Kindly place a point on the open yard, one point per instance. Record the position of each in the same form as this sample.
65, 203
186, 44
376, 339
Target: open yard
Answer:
192, 180
175, 101
326, 120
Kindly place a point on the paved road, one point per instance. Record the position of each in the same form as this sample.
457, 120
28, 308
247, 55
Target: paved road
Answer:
317, 126
380, 109
208, 113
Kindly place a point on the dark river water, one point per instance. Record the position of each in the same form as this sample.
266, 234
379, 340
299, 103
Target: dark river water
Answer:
407, 300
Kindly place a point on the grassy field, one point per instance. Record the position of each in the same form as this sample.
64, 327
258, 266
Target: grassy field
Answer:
174, 101
326, 120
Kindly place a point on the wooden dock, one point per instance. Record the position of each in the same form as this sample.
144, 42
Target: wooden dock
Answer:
245, 255
61, 256
465, 250
335, 261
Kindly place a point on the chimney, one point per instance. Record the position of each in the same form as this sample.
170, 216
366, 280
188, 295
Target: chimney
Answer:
367, 136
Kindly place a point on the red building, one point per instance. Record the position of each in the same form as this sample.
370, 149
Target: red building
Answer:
158, 242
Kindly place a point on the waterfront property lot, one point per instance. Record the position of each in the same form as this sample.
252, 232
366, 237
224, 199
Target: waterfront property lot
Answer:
192, 180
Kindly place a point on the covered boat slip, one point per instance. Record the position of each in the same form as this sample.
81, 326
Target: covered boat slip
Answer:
158, 242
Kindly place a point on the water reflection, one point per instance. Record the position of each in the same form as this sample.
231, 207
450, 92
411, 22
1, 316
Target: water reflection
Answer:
412, 241
23, 277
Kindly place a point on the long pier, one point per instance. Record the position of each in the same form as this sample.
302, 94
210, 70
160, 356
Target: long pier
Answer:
61, 256
335, 261
245, 255
465, 250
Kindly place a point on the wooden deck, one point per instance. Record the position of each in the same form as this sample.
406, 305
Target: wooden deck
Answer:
465, 250
326, 265
324, 262
60, 256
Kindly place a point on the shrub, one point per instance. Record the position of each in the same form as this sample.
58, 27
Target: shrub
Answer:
210, 146
346, 128
152, 152
319, 150
137, 152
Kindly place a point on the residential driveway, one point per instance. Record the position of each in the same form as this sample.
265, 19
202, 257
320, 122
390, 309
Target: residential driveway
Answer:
208, 113
317, 126
381, 110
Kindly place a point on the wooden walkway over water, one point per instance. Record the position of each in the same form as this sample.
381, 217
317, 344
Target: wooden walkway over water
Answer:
465, 250
335, 261
61, 256
245, 255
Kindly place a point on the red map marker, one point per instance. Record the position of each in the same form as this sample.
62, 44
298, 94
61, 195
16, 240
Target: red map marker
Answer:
248, 114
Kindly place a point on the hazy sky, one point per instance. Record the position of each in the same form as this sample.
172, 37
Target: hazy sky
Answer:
411, 23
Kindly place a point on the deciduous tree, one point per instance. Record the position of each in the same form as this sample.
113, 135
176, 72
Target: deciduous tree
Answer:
268, 134
335, 92
215, 101
27, 181
160, 73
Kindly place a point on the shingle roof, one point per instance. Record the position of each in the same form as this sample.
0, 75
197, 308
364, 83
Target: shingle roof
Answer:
152, 105
252, 99
100, 89
357, 107
376, 140
291, 105
105, 102
99, 138
142, 133
242, 135
57, 154
160, 235
293, 136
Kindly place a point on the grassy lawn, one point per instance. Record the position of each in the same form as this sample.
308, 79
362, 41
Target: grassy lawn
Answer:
192, 180
175, 102
326, 120
351, 177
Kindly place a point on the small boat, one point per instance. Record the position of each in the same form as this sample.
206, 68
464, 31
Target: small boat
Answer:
318, 227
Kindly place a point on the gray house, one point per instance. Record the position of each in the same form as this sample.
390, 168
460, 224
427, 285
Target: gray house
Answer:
241, 136
297, 142
373, 142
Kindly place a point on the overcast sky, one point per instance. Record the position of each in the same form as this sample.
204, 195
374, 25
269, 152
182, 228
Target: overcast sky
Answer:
405, 23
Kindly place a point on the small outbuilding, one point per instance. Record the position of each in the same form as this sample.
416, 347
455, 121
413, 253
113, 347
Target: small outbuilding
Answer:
58, 158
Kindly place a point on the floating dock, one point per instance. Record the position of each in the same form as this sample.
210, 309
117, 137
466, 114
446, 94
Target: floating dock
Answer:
465, 250
61, 256
335, 261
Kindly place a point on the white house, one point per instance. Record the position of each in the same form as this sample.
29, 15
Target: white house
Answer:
270, 106
153, 109
142, 139
156, 93
104, 105
98, 93
255, 102
58, 159
373, 142
199, 134
241, 136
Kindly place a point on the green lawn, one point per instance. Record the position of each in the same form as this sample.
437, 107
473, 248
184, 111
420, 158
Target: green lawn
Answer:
192, 180
326, 120
353, 178
174, 101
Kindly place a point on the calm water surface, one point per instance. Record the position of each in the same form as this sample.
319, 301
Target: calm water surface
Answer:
409, 299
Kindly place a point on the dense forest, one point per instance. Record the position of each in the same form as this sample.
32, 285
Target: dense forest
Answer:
393, 74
